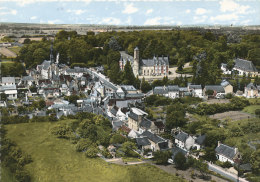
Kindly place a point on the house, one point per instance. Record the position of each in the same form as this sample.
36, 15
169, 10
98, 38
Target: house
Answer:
156, 142
227, 87
224, 69
218, 90
45, 69
135, 117
10, 91
226, 153
143, 143
184, 141
241, 67
199, 142
251, 91
171, 91
7, 81
145, 67
27, 81
246, 67
153, 126
196, 90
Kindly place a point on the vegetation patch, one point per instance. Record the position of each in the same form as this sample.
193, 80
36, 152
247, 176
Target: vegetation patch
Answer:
56, 159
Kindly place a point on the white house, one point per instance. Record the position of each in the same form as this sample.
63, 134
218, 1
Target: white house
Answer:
10, 91
251, 91
6, 81
184, 141
173, 91
226, 153
196, 90
242, 67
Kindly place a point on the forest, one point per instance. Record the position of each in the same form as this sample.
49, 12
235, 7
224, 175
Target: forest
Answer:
206, 51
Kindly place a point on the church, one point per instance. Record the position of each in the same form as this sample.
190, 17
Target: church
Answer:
157, 66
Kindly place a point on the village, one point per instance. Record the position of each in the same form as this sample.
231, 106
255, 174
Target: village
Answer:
65, 91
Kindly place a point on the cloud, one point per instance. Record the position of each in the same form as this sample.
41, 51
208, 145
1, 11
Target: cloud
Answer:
225, 17
7, 11
160, 21
129, 9
200, 11
230, 5
54, 21
245, 22
149, 11
76, 11
200, 19
26, 2
187, 11
110, 21
33, 18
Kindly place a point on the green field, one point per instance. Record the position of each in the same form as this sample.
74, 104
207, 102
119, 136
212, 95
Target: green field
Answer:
15, 49
56, 159
251, 109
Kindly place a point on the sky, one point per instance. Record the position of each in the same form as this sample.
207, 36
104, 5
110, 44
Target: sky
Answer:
135, 12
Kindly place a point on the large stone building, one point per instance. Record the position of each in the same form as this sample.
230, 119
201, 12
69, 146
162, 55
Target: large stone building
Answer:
145, 67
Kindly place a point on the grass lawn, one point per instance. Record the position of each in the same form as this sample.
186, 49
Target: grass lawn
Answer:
131, 159
185, 71
57, 160
6, 175
251, 109
15, 49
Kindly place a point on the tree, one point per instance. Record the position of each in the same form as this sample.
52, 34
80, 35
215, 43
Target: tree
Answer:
83, 144
161, 157
145, 86
175, 116
128, 77
91, 152
210, 92
257, 112
3, 97
27, 41
255, 162
180, 161
128, 148
117, 139
210, 154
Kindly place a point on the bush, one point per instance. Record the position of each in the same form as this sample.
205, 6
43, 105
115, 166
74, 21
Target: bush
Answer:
106, 153
83, 144
91, 152
161, 157
180, 161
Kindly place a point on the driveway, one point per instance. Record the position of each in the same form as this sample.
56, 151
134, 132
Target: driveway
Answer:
224, 173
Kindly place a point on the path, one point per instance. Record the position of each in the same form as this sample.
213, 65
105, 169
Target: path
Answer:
186, 173
224, 173
121, 162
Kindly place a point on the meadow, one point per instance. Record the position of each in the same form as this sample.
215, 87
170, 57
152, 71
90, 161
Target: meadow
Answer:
56, 159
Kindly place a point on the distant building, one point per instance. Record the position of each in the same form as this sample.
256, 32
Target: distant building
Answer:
242, 67
226, 153
145, 67
251, 91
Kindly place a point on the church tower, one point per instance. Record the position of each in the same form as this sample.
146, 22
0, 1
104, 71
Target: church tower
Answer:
136, 62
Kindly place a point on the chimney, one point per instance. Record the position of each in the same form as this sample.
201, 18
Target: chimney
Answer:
219, 143
236, 150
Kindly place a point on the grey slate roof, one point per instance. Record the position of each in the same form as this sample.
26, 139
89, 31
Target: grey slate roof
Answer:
126, 57
8, 80
142, 141
200, 139
251, 86
176, 150
153, 137
133, 116
225, 150
173, 88
224, 83
128, 87
195, 87
27, 78
217, 88
245, 65
155, 61
114, 110
146, 123
160, 90
182, 136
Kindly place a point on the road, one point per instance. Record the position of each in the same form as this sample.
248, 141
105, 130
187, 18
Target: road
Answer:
224, 173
